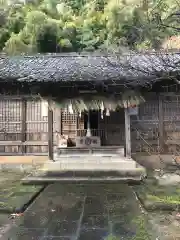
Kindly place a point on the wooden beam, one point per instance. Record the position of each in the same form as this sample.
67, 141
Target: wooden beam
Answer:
60, 120
161, 124
50, 131
127, 133
77, 124
11, 143
23, 126
172, 142
57, 116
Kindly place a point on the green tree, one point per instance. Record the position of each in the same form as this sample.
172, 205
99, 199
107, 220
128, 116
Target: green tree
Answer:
86, 25
16, 46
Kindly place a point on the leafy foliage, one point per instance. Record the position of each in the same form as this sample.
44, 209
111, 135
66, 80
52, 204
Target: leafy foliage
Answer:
86, 25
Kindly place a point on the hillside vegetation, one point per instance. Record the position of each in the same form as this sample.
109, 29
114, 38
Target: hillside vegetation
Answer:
28, 26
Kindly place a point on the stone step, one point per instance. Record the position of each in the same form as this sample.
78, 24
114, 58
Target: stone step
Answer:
43, 180
82, 155
76, 164
99, 173
56, 174
98, 150
91, 160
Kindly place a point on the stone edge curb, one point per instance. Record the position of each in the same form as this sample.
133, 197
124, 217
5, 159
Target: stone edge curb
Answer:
19, 167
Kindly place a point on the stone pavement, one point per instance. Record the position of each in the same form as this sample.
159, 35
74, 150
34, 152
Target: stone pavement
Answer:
82, 212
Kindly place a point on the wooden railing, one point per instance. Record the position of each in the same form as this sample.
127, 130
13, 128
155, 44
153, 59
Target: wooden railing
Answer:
95, 132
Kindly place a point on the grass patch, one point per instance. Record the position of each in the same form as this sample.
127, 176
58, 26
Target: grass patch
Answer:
157, 197
14, 195
165, 199
16, 198
141, 232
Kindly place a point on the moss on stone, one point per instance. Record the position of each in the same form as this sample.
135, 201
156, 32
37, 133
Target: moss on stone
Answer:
112, 237
14, 195
154, 196
141, 229
173, 199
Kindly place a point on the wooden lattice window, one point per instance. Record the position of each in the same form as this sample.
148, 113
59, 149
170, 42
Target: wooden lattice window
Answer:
172, 108
69, 123
68, 118
10, 120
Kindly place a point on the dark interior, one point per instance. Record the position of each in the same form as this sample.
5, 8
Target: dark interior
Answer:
93, 118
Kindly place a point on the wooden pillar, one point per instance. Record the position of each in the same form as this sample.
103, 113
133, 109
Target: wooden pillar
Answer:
57, 117
161, 124
23, 127
77, 124
127, 133
50, 131
60, 119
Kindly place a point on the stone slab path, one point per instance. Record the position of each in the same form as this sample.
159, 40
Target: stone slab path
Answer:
82, 212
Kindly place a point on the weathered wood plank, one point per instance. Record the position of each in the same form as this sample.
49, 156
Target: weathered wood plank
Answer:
60, 119
23, 130
173, 142
10, 143
50, 131
127, 133
26, 143
161, 123
35, 143
170, 94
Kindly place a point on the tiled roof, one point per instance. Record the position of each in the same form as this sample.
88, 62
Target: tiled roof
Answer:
135, 69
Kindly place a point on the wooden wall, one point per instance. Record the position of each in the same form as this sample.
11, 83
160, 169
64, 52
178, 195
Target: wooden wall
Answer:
157, 127
23, 129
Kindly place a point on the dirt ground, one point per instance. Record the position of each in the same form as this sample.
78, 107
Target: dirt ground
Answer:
153, 162
161, 202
